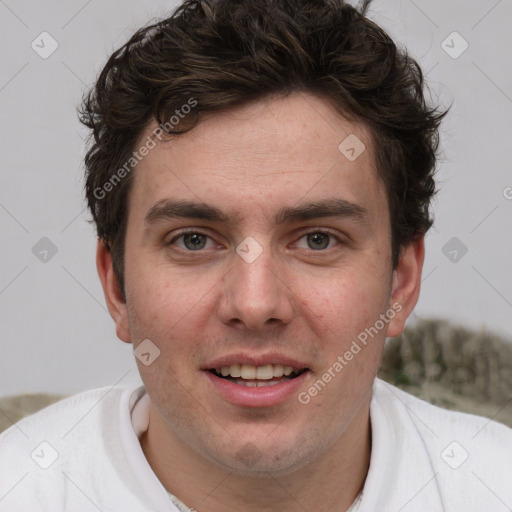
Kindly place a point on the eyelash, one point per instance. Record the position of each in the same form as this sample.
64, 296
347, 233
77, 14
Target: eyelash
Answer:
304, 234
188, 232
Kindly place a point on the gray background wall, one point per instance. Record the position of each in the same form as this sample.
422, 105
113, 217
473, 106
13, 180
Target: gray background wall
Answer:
55, 332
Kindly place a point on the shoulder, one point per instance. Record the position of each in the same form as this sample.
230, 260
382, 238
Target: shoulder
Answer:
470, 456
43, 454
68, 412
438, 419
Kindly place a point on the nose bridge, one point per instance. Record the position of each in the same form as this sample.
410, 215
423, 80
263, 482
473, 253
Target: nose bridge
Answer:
255, 275
253, 293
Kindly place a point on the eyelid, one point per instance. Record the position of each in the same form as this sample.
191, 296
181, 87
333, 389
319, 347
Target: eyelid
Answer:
306, 231
324, 231
185, 231
319, 252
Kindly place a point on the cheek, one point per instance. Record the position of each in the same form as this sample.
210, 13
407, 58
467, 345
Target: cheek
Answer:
164, 297
344, 304
175, 311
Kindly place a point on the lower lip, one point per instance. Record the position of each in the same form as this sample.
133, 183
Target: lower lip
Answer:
265, 396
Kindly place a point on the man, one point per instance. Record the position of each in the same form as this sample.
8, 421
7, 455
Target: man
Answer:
259, 175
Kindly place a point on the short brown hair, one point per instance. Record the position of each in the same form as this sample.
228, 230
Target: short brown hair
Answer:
226, 53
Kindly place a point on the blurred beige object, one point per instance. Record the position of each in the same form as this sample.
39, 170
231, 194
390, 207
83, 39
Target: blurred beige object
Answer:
13, 408
446, 365
453, 367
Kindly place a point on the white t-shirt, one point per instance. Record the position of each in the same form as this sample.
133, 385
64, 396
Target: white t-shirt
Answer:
83, 454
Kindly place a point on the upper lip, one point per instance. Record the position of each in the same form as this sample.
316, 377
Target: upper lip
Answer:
255, 360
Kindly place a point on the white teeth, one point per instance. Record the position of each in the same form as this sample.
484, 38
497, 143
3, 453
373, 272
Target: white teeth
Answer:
235, 370
261, 384
263, 373
278, 370
248, 372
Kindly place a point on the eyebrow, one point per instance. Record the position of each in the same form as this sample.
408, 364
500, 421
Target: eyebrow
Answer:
325, 208
169, 209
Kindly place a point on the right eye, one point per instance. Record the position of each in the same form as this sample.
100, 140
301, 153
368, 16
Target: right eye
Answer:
192, 241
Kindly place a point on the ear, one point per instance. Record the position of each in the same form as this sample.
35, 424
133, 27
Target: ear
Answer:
115, 302
406, 285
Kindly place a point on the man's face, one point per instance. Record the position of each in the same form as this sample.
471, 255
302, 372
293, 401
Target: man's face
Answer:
253, 240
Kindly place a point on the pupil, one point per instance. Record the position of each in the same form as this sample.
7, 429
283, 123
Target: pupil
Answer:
194, 241
318, 241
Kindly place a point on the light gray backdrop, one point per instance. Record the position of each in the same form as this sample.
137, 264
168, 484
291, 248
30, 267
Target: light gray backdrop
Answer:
55, 332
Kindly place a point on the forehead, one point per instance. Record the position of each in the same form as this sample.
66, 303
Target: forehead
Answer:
278, 149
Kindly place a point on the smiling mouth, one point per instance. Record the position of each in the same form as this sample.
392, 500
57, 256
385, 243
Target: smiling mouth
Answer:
257, 376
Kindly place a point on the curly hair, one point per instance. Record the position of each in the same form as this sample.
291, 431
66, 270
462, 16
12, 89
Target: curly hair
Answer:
225, 53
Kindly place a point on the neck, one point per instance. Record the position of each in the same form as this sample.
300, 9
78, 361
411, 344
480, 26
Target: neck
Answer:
330, 483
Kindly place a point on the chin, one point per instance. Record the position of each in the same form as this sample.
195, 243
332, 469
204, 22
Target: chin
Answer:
264, 459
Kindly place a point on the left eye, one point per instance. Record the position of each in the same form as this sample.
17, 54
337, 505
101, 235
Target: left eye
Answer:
192, 241
316, 241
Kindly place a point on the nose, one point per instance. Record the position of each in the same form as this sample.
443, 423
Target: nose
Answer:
255, 296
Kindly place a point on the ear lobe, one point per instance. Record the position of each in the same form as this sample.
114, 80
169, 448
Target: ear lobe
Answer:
114, 298
406, 285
